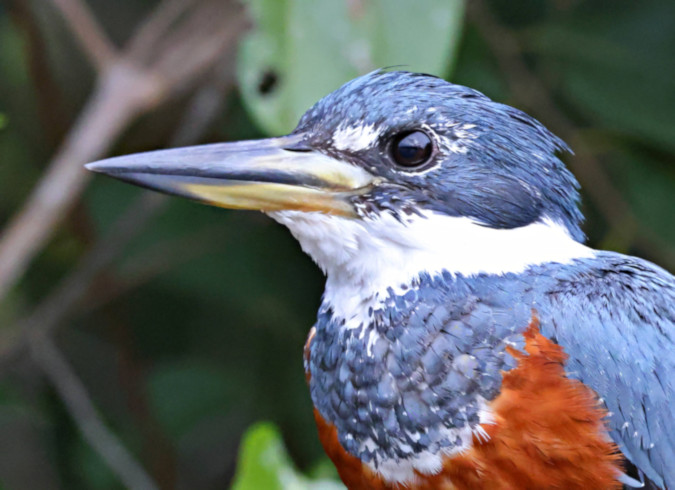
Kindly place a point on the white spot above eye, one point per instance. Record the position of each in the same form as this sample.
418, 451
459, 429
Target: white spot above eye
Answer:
355, 138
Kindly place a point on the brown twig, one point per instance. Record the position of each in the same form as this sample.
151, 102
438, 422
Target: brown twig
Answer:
122, 94
207, 103
145, 40
198, 42
63, 300
48, 94
74, 394
35, 338
88, 32
205, 106
55, 309
126, 88
61, 304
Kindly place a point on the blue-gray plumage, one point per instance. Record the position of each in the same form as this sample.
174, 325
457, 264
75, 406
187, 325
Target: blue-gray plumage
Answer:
516, 179
443, 220
614, 315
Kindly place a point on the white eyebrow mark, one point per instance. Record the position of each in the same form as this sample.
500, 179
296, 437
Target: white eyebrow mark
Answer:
355, 138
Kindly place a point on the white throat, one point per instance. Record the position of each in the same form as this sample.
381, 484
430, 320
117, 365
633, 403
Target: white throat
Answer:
371, 255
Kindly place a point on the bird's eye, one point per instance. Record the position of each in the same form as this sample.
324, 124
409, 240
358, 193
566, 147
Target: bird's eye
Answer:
411, 149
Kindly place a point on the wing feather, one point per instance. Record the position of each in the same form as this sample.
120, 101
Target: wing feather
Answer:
616, 321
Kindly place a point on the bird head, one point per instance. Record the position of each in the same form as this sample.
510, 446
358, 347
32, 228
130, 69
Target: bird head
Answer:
393, 171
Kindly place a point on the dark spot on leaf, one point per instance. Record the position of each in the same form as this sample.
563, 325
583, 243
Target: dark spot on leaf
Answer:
268, 82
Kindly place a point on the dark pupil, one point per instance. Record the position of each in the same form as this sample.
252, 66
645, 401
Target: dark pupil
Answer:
412, 149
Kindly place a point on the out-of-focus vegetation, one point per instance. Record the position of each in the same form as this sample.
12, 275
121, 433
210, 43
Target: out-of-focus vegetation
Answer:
263, 463
162, 329
304, 49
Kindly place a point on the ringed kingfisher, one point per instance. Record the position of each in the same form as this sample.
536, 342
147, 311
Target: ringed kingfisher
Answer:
467, 337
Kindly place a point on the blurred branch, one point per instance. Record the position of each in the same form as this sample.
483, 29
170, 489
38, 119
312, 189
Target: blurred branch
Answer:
126, 88
203, 109
60, 303
145, 40
88, 32
206, 104
193, 45
74, 394
35, 331
63, 300
118, 98
47, 92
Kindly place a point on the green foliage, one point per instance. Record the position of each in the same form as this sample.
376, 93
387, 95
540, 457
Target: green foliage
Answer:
264, 463
301, 50
3, 121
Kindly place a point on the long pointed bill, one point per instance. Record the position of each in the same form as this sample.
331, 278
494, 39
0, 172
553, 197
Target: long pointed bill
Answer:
268, 175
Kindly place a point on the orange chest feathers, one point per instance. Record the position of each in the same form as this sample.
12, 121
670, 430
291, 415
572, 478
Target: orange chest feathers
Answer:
548, 432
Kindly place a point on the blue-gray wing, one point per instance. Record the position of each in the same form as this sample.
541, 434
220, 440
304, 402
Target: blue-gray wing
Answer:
615, 317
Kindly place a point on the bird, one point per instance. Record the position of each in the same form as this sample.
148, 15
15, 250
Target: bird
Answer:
467, 336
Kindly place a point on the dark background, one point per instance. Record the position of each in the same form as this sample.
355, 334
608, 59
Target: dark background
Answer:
183, 324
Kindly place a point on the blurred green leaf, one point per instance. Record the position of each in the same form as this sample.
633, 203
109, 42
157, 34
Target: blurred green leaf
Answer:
323, 470
3, 121
264, 463
303, 49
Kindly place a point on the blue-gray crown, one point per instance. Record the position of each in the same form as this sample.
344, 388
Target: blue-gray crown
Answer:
492, 163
